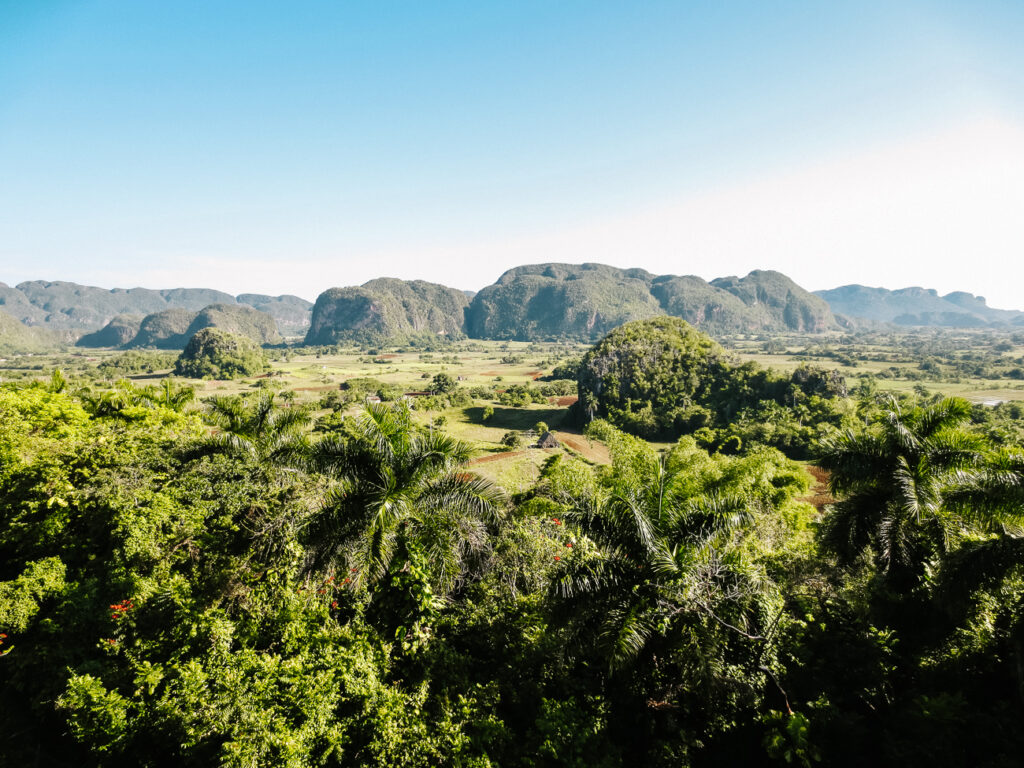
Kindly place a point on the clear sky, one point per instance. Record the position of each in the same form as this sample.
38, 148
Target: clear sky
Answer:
286, 147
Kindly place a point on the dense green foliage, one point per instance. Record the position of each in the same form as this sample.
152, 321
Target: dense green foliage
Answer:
135, 362
663, 378
216, 583
216, 354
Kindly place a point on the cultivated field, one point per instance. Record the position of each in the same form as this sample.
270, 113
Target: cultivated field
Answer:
312, 379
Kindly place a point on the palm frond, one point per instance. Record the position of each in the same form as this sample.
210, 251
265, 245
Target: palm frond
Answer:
466, 493
228, 442
709, 517
948, 412
387, 427
593, 576
850, 525
979, 565
853, 461
624, 633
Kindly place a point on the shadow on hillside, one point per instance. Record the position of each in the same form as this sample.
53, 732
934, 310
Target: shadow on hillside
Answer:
505, 417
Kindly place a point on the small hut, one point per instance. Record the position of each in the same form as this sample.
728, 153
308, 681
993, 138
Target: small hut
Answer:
548, 440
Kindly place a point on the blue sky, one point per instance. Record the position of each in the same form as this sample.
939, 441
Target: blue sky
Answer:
288, 147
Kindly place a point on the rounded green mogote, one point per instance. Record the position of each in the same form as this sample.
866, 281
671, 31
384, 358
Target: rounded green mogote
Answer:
216, 354
648, 376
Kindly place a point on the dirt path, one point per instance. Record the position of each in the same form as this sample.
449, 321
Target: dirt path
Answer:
819, 495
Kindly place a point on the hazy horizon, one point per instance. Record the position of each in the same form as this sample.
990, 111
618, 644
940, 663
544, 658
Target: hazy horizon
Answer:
259, 148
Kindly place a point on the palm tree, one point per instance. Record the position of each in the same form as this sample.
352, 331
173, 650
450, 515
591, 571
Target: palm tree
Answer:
672, 600
671, 556
260, 431
169, 396
125, 394
398, 491
113, 402
993, 499
892, 482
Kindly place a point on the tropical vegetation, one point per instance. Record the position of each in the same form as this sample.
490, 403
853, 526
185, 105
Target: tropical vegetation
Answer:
221, 578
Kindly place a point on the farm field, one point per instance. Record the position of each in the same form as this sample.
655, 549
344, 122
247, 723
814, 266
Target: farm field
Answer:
316, 379
981, 366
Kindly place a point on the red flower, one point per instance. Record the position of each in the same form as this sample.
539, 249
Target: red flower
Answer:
557, 557
334, 604
569, 545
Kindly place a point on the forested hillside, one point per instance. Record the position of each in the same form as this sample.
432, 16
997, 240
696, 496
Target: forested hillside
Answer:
662, 378
544, 301
387, 309
18, 338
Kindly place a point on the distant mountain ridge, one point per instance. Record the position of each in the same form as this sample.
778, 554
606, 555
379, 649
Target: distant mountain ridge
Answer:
530, 302
916, 306
62, 305
172, 328
542, 301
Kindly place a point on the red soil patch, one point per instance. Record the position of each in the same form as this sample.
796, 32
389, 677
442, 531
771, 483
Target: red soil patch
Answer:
819, 500
496, 457
820, 475
387, 357
490, 373
535, 374
591, 451
576, 446
819, 495
563, 402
